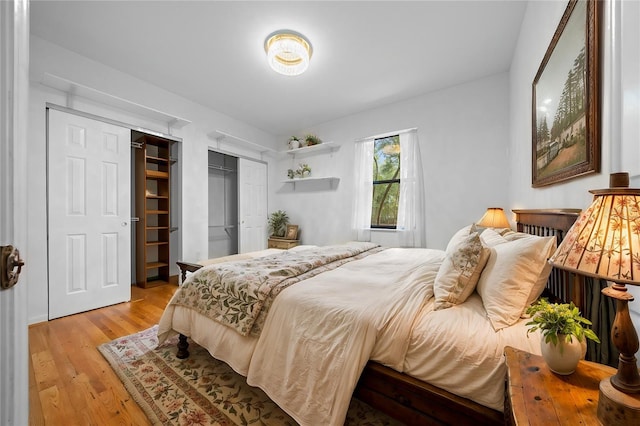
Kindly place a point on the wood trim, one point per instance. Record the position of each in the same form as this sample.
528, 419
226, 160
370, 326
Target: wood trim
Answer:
558, 219
415, 402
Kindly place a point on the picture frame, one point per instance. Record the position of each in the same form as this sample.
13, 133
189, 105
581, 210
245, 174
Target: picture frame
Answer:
566, 99
292, 232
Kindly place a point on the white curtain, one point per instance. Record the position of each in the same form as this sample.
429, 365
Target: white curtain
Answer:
363, 190
410, 226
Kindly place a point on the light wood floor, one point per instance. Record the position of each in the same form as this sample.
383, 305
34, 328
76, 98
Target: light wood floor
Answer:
70, 383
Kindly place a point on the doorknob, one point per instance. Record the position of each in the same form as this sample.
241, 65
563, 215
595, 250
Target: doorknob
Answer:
9, 260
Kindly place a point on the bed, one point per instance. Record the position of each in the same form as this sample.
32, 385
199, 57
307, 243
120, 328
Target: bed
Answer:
399, 354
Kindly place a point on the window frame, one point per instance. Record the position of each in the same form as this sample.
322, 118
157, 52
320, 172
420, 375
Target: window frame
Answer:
385, 182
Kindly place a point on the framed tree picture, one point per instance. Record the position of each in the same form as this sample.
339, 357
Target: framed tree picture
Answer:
566, 99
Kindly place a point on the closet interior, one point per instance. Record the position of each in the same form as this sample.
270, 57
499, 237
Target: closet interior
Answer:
153, 254
223, 204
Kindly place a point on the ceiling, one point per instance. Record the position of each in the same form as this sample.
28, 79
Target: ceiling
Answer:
365, 53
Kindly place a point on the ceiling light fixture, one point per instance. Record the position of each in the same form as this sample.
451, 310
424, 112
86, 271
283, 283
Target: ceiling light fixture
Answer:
288, 52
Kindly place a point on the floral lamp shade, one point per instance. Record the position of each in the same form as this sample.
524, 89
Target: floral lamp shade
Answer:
604, 242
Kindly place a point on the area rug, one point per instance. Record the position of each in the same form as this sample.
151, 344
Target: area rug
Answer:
200, 390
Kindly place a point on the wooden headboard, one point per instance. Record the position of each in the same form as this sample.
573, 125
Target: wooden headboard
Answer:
562, 285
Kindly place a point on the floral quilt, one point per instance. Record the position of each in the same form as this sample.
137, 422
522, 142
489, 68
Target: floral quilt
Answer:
239, 294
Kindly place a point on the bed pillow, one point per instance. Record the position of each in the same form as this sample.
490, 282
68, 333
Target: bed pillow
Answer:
513, 235
546, 271
491, 238
460, 271
498, 236
458, 236
512, 274
543, 277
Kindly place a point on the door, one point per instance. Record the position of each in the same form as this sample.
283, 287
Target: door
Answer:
89, 202
252, 205
14, 80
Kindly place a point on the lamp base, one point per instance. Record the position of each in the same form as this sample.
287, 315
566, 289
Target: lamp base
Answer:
616, 407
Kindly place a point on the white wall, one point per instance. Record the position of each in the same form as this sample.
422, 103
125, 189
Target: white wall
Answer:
463, 134
52, 59
619, 137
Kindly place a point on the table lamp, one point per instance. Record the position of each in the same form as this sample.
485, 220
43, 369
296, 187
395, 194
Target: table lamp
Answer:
604, 242
494, 217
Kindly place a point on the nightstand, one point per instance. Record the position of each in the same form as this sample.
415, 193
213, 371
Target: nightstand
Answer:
536, 396
282, 243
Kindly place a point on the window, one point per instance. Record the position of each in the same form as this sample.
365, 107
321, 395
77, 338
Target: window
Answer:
388, 188
386, 182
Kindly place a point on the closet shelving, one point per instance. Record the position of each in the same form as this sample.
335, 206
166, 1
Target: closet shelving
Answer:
153, 165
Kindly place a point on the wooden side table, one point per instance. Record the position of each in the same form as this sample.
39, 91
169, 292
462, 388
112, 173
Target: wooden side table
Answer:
282, 243
534, 395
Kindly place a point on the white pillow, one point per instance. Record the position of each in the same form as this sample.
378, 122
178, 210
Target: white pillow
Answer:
457, 237
499, 236
512, 274
491, 238
460, 271
541, 282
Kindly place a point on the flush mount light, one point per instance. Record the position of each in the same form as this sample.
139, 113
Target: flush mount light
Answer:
288, 52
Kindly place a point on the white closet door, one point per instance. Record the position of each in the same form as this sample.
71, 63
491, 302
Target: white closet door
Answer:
252, 205
89, 187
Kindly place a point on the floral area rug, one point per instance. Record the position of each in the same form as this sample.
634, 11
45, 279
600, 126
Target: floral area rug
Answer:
200, 390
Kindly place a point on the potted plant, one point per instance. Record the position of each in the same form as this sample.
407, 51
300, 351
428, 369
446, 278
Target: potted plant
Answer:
294, 142
312, 140
563, 334
303, 170
278, 222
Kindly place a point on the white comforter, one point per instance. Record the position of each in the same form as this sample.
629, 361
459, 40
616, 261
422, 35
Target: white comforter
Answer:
457, 349
320, 333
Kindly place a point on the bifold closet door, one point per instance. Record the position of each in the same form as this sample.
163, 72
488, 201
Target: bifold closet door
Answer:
252, 205
89, 206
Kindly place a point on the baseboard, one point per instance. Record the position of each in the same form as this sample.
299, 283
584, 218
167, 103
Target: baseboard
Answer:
38, 319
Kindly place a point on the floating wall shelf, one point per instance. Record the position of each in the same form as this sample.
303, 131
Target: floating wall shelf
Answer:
312, 150
330, 179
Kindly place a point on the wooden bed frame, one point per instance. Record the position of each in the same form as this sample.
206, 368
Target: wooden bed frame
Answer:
415, 402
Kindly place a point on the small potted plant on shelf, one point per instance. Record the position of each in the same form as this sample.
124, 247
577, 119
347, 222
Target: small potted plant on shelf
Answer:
563, 334
278, 222
303, 170
294, 142
312, 140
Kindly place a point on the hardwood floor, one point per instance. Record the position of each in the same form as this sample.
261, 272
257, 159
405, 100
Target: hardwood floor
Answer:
70, 383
